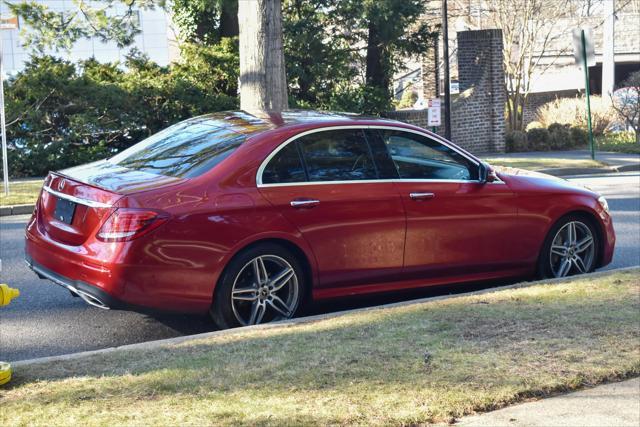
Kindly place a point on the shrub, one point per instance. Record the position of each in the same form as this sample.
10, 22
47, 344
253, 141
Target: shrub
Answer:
559, 136
62, 114
409, 97
579, 137
516, 141
534, 125
539, 139
573, 112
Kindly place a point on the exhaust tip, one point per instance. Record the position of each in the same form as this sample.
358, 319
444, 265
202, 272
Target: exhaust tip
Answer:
91, 300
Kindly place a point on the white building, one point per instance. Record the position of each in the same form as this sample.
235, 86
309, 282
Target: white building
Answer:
156, 39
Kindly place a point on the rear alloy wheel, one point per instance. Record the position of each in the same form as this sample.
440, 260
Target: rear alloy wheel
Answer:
261, 285
572, 250
265, 289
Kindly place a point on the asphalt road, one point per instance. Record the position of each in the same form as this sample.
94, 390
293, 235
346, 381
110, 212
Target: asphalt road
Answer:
46, 320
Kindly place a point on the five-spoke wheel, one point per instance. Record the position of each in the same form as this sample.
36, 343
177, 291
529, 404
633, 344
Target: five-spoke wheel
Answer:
265, 289
571, 248
262, 284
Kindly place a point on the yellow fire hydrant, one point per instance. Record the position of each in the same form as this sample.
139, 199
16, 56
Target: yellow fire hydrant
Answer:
6, 295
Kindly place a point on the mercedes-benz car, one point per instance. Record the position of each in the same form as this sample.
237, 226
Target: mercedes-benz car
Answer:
250, 217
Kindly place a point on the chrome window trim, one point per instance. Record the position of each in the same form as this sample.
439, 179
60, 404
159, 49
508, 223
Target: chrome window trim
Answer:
90, 203
437, 138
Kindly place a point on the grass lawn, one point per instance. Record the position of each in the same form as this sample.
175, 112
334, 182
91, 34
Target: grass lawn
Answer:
427, 362
538, 164
21, 192
623, 142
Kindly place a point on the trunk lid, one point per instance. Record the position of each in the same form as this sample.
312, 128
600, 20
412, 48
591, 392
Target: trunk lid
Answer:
75, 202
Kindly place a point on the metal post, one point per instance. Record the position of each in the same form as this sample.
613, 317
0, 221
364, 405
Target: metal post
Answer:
587, 92
447, 77
5, 161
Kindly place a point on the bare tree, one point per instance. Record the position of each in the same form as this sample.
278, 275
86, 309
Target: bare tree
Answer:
263, 83
530, 28
626, 102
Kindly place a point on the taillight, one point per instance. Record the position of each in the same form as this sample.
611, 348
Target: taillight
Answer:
128, 224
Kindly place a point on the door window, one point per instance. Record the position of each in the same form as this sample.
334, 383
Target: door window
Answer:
337, 155
419, 157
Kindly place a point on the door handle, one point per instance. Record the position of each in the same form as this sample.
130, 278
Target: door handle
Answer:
421, 196
304, 203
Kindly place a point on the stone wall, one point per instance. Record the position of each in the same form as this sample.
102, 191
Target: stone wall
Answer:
477, 116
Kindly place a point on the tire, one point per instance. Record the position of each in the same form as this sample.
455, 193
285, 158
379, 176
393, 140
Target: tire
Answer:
238, 301
562, 255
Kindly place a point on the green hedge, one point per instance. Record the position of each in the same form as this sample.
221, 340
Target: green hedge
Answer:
61, 114
555, 137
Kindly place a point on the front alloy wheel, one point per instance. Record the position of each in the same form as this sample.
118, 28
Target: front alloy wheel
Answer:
573, 249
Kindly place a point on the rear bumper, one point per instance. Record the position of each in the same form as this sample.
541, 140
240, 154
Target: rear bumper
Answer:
90, 294
107, 275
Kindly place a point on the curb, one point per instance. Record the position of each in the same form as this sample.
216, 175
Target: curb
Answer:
590, 171
576, 171
16, 210
148, 345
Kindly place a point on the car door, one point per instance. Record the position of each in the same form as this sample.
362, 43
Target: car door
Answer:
326, 183
455, 224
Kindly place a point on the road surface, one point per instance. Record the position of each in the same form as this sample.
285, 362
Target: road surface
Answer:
45, 320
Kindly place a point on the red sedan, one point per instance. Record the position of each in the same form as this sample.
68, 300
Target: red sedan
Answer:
249, 218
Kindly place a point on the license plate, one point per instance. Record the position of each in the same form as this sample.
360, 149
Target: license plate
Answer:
64, 211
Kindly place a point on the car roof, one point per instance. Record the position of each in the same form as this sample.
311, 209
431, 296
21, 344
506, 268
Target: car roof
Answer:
247, 123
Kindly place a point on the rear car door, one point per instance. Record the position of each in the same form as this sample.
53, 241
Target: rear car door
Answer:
455, 225
327, 184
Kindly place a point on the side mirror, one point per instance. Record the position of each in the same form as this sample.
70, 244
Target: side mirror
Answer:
487, 174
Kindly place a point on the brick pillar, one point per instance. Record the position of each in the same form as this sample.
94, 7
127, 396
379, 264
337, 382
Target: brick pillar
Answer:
478, 122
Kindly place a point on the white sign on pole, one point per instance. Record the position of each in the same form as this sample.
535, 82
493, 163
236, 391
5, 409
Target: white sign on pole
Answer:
588, 47
434, 112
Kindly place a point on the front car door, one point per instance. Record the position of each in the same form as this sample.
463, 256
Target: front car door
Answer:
327, 184
456, 225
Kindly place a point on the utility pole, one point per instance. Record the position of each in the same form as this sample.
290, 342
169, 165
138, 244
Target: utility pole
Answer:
608, 59
447, 77
5, 160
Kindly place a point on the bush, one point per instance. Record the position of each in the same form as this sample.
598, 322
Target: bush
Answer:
573, 112
579, 137
62, 114
516, 141
539, 139
534, 125
362, 99
559, 137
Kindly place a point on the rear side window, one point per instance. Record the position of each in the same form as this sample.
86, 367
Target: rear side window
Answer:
285, 167
337, 155
184, 150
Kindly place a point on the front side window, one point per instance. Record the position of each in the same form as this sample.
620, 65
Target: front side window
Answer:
337, 155
184, 150
419, 157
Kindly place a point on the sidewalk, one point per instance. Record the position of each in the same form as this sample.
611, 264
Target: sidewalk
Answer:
616, 404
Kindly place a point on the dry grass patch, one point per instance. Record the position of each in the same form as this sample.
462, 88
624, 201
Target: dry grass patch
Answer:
547, 163
428, 362
21, 193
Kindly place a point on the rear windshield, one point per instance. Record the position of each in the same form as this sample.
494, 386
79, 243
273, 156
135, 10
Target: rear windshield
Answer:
184, 150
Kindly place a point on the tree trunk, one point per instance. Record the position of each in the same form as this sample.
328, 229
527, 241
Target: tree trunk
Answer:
229, 18
376, 73
263, 82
